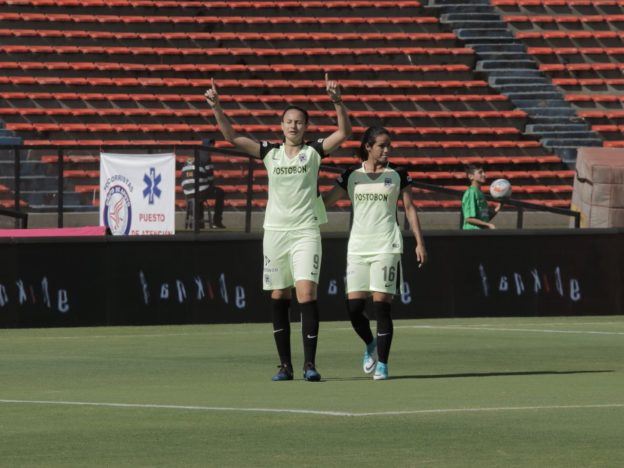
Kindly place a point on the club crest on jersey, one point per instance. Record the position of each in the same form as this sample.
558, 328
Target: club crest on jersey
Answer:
302, 158
387, 182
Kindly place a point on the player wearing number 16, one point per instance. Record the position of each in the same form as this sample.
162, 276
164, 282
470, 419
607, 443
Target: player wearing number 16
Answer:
375, 242
292, 239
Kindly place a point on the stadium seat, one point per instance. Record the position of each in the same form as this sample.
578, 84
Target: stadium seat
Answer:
92, 72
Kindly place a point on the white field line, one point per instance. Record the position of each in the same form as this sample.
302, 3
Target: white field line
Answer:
314, 412
484, 327
501, 329
140, 335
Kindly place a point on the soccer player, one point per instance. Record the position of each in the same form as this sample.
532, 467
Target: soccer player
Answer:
375, 242
477, 214
292, 240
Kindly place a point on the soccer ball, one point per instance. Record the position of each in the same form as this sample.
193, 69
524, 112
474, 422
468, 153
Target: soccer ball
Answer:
500, 188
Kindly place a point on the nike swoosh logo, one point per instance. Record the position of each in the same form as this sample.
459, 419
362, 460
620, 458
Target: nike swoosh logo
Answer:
277, 331
383, 334
312, 337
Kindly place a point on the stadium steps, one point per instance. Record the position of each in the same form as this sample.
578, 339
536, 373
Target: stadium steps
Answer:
523, 83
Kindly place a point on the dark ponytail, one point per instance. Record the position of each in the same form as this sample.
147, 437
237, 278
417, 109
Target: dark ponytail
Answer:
370, 135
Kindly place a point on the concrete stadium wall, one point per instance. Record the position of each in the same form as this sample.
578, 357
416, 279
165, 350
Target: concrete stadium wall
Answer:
215, 278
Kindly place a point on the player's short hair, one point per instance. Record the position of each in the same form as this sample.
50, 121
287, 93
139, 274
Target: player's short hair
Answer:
369, 137
300, 109
472, 168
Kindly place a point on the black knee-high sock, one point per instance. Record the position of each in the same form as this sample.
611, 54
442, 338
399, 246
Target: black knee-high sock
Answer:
360, 323
281, 329
384, 330
309, 329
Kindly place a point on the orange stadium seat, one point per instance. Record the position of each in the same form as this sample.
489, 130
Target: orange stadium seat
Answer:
97, 72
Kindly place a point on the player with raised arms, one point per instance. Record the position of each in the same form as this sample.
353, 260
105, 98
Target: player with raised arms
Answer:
376, 242
292, 239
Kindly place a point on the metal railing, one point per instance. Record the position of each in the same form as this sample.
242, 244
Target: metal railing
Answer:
520, 205
21, 217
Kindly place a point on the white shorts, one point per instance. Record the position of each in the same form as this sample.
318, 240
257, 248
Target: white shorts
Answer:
291, 256
374, 273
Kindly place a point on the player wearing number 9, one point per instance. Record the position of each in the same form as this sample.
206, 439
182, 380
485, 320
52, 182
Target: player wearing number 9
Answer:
376, 242
292, 239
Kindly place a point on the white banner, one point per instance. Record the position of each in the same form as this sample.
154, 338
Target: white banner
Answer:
137, 193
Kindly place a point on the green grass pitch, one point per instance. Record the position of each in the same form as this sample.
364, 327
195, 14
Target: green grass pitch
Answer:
496, 392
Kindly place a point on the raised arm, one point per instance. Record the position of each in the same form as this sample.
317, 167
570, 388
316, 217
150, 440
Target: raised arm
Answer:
242, 143
412, 218
333, 141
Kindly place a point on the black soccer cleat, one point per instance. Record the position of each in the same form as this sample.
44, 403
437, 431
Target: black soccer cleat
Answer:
310, 373
285, 372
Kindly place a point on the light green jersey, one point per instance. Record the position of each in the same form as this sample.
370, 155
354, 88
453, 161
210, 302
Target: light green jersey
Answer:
374, 198
294, 197
474, 205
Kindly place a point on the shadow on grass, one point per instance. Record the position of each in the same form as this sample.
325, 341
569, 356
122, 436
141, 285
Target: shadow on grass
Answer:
475, 374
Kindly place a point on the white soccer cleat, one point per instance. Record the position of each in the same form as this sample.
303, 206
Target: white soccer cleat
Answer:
381, 372
370, 357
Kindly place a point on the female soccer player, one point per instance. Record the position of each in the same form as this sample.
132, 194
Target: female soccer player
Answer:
292, 240
375, 242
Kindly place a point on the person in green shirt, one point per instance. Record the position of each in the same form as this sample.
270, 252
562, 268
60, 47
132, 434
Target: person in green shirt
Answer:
376, 242
475, 209
292, 240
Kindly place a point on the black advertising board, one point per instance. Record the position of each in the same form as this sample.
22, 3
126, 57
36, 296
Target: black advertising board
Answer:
217, 278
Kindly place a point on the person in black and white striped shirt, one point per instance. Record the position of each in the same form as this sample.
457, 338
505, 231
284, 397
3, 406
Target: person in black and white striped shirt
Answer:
207, 189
